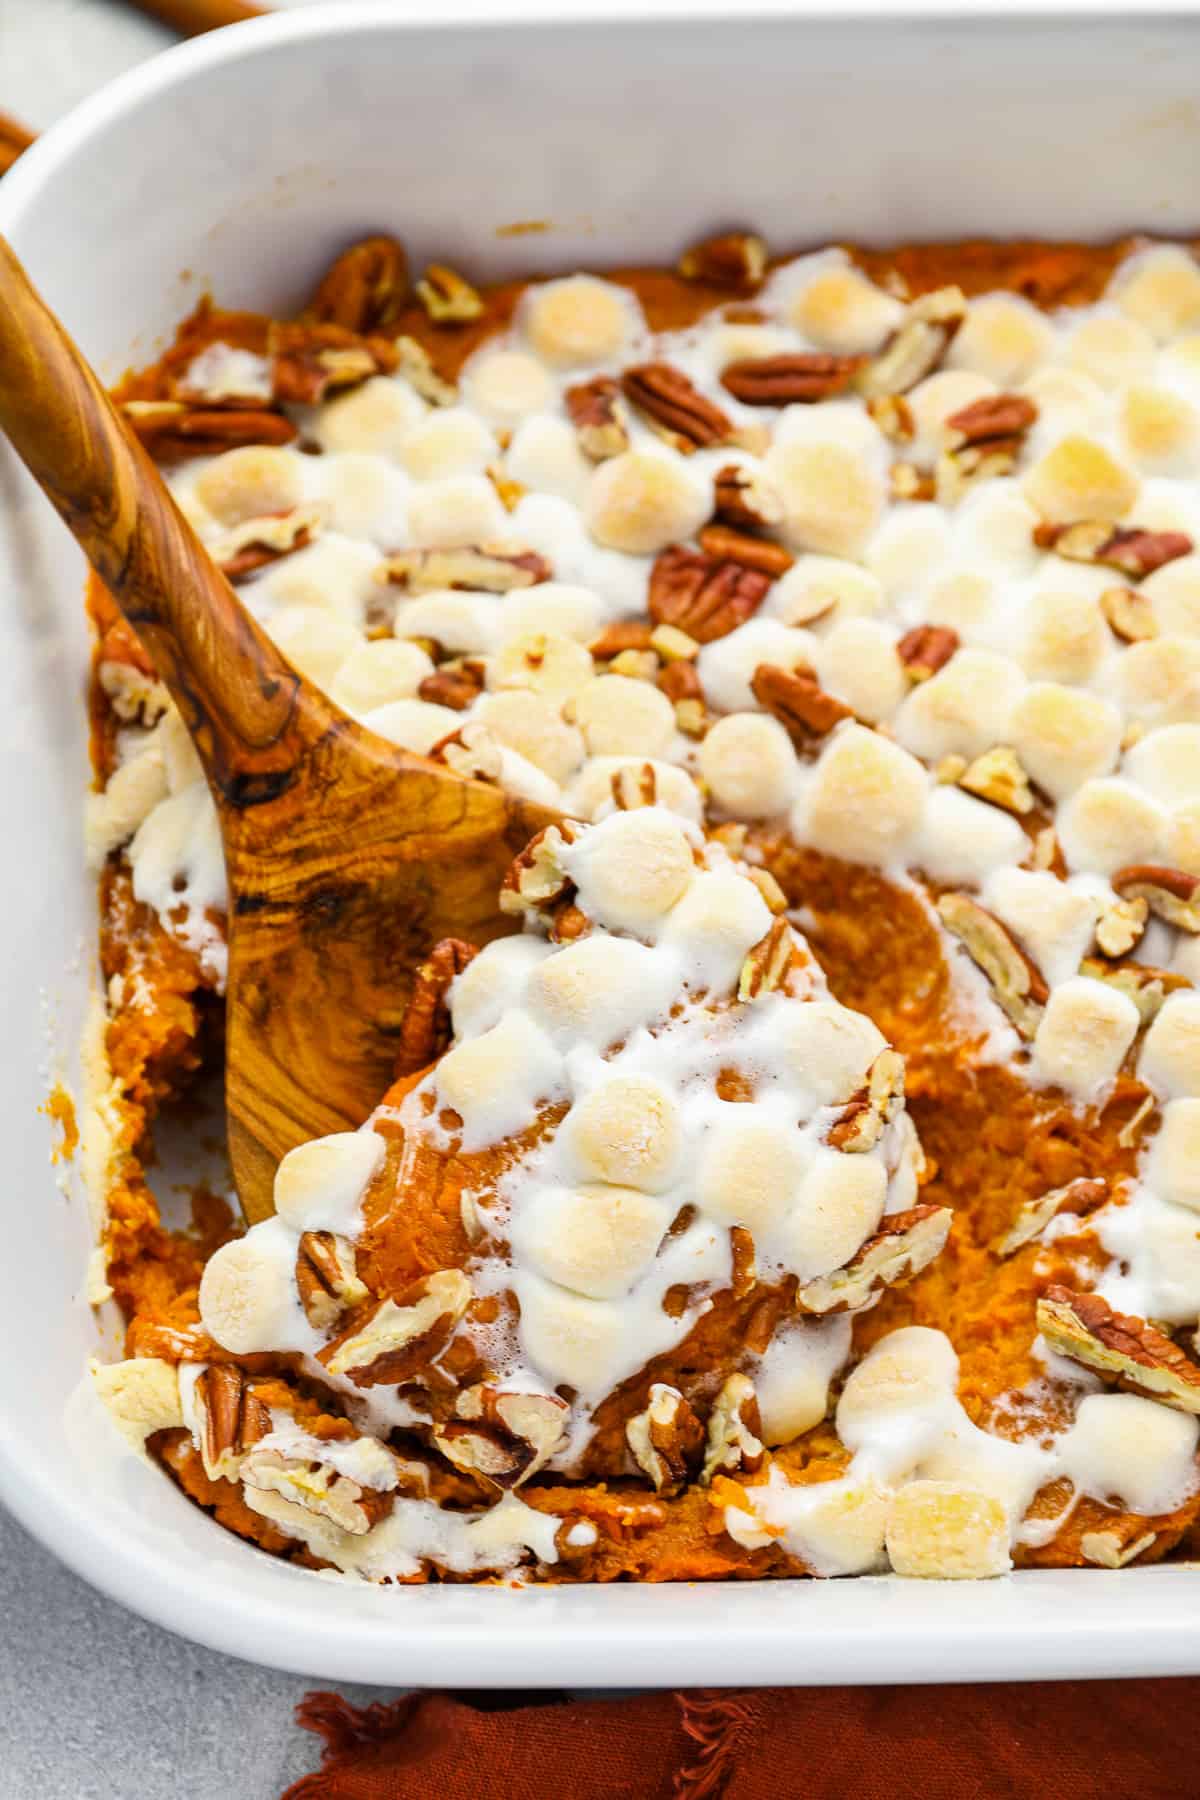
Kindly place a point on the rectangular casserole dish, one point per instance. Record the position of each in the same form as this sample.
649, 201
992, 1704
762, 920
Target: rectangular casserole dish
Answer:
239, 164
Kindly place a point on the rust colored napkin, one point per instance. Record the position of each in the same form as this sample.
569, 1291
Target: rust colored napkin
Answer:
1074, 1740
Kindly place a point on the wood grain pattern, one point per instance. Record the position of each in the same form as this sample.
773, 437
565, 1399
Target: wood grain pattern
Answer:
347, 858
14, 138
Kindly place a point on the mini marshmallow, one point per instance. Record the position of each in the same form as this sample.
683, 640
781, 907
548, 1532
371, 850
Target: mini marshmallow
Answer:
140, 1395
1160, 432
726, 667
865, 799
1002, 337
251, 481
750, 1171
908, 1371
375, 417
319, 1186
966, 708
1142, 1452
935, 400
793, 1376
1064, 736
1065, 637
545, 456
315, 641
248, 1299
621, 716
335, 572
449, 441
569, 1339
644, 500
590, 795
839, 310
551, 606
366, 497
456, 512
824, 1047
1083, 1036
415, 725
1174, 1168
1160, 679
910, 542
1170, 1055
626, 1131
832, 497
1080, 479
579, 321
857, 661
1166, 763
631, 868
718, 921
942, 1531
1108, 824
495, 1081
462, 623
596, 1240
534, 727
1174, 595
544, 662
506, 386
748, 765
1160, 288
962, 839
964, 600
1051, 920
1111, 350
818, 588
1067, 400
379, 671
838, 1205
596, 990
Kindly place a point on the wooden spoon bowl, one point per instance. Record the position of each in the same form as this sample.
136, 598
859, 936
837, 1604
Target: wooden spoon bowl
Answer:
346, 857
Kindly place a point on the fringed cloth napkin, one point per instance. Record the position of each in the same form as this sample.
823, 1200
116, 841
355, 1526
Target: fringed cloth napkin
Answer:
1071, 1740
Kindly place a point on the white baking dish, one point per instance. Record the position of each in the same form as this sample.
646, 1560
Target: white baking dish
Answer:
245, 159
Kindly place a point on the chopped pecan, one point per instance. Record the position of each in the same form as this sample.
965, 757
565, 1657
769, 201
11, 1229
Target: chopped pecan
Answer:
1136, 553
309, 362
640, 665
894, 417
1081, 1196
795, 377
907, 482
1130, 1131
959, 470
1145, 985
1171, 894
916, 349
744, 498
568, 923
867, 1114
1004, 416
1121, 926
597, 412
425, 1032
399, 1339
230, 1419
447, 297
1130, 615
734, 1442
926, 649
733, 259
457, 688
634, 785
172, 431
624, 634
680, 681
674, 408
486, 569
1016, 981
502, 1437
666, 1439
744, 1262
766, 967
905, 1243
703, 595
769, 888
317, 1487
1121, 1348
471, 752
691, 718
327, 1278
998, 776
257, 542
417, 367
673, 645
537, 881
365, 288
1047, 853
793, 697
1118, 1547
771, 560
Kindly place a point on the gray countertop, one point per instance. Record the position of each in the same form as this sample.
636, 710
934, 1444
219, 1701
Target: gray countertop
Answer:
96, 1704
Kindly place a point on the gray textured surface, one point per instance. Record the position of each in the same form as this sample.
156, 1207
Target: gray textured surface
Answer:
95, 1704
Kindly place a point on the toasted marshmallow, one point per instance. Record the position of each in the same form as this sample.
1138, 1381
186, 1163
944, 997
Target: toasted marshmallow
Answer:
1170, 1054
718, 921
377, 417
250, 482
644, 500
838, 1205
365, 497
1002, 337
910, 542
248, 1299
1111, 350
632, 868
626, 1131
909, 1371
545, 456
748, 765
545, 662
1065, 637
966, 708
596, 1240
493, 981
1064, 736
1083, 1036
1166, 763
140, 1395
750, 1171
379, 671
1160, 288
726, 667
1174, 1167
579, 321
857, 661
943, 1531
1108, 824
506, 386
551, 606
825, 1048
315, 641
1182, 839
415, 725
591, 792
865, 799
935, 400
455, 512
821, 588
832, 496
1067, 400
1160, 431
319, 1186
1053, 921
1080, 479
995, 525
495, 1081
451, 440
463, 623
570, 1339
792, 1379
1174, 594
839, 310
621, 716
966, 601
535, 728
334, 572
1160, 679
595, 991
962, 839
1142, 1452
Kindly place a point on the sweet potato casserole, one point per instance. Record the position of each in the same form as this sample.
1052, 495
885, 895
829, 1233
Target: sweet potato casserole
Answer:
809, 1185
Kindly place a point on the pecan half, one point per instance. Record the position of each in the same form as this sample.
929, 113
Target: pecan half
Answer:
502, 1437
447, 297
674, 408
1145, 985
1171, 894
256, 542
172, 431
926, 649
793, 378
425, 1033
916, 349
485, 569
744, 498
399, 1339
317, 1487
1003, 416
1121, 1348
457, 688
905, 1243
666, 1439
793, 697
327, 1278
597, 412
771, 560
1081, 1196
1129, 615
365, 288
703, 595
230, 1418
416, 366
1136, 553
867, 1114
1016, 981
767, 966
537, 880
734, 1441
998, 777
733, 259
310, 362
1121, 926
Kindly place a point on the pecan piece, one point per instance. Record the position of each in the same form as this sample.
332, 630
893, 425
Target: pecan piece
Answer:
230, 1418
1116, 1548
959, 470
702, 595
597, 412
327, 1278
1121, 1348
365, 288
1136, 553
1145, 985
1081, 1196
926, 649
767, 966
1016, 981
171, 431
624, 634
907, 482
457, 688
732, 259
537, 880
793, 697
1003, 416
674, 408
794, 378
1121, 926
485, 569
471, 752
744, 498
744, 1262
257, 542
417, 367
666, 1439
1129, 615
634, 785
399, 1339
309, 362
998, 776
867, 1114
916, 349
1171, 894
425, 1033
318, 1488
905, 1243
680, 681
447, 297
894, 417
771, 560
502, 1437
734, 1440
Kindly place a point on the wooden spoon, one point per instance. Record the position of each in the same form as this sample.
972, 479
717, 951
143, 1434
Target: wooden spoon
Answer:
347, 858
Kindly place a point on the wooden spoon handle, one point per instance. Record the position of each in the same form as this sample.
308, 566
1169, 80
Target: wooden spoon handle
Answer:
242, 702
14, 138
191, 17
